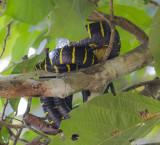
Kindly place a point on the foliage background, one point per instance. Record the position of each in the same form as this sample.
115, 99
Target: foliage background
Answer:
43, 21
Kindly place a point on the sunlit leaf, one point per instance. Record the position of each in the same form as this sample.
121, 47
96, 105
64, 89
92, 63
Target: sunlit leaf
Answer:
109, 119
22, 44
29, 11
67, 19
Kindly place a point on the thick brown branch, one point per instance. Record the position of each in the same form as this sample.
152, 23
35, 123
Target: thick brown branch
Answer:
93, 78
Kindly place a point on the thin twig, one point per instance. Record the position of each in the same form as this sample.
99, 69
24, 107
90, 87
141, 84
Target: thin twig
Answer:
112, 37
14, 118
19, 140
111, 11
4, 108
156, 143
17, 136
110, 22
13, 136
154, 3
5, 39
151, 83
15, 126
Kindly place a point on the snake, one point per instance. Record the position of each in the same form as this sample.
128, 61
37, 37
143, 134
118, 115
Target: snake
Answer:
74, 56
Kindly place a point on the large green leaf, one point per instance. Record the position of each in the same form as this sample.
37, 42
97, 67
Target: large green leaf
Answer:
29, 11
96, 121
154, 40
22, 44
67, 19
28, 65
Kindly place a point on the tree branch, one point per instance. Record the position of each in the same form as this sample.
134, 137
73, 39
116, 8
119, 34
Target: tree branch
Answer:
17, 136
94, 78
154, 3
15, 126
4, 109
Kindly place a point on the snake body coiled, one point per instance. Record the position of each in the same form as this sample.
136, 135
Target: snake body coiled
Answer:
73, 56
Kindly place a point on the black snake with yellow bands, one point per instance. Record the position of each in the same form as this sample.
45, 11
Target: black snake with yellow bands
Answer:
73, 56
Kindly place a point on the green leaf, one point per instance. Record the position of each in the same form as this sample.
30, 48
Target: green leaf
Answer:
67, 19
21, 38
29, 11
5, 134
28, 65
154, 40
97, 120
29, 135
1, 139
135, 15
16, 30
51, 44
14, 103
23, 43
134, 3
146, 1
